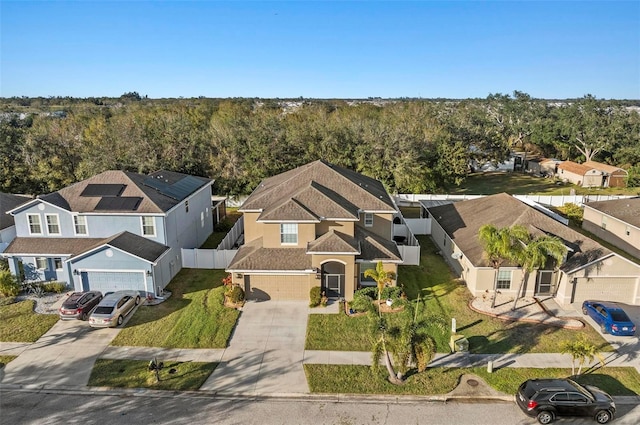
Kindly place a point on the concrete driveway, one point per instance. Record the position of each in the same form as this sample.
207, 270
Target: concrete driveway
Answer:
64, 356
266, 351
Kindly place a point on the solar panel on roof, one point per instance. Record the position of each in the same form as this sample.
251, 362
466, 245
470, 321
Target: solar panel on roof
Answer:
122, 203
103, 190
178, 190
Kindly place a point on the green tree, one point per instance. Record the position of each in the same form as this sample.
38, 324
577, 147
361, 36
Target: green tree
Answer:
581, 351
500, 245
535, 255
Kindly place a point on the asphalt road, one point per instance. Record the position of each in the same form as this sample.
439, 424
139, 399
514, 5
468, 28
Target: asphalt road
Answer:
24, 407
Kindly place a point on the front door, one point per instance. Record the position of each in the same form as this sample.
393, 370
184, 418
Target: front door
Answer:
333, 285
544, 283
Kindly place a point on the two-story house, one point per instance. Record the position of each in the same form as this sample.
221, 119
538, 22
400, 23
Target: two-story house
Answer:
116, 230
8, 202
315, 225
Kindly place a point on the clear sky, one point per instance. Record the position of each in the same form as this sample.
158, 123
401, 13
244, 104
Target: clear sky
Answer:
453, 49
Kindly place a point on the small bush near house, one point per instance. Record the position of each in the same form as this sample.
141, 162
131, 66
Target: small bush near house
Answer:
573, 212
315, 295
236, 295
9, 286
57, 287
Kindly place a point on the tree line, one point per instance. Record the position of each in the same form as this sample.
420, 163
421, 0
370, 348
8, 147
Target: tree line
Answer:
411, 145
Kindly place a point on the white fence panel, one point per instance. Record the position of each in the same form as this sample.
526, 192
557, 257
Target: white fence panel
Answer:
234, 234
410, 255
419, 226
548, 200
3, 246
207, 258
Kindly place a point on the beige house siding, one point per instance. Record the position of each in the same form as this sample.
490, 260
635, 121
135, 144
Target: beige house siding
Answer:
592, 178
346, 227
271, 238
382, 225
252, 229
615, 231
350, 272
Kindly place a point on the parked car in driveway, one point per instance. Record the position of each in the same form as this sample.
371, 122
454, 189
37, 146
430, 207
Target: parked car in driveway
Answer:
610, 317
113, 308
547, 399
78, 305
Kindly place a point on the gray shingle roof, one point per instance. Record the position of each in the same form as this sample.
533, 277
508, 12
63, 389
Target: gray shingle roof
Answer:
8, 202
252, 256
325, 190
333, 241
69, 198
627, 210
462, 221
375, 248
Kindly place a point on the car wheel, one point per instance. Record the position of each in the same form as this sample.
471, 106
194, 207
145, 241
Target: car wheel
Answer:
545, 417
603, 416
137, 300
120, 320
584, 310
603, 328
85, 315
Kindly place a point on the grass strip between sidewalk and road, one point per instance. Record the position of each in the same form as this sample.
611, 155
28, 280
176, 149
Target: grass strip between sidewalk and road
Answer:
6, 359
20, 323
192, 317
359, 379
175, 376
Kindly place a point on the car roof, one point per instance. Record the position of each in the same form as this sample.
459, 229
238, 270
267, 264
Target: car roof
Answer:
607, 304
551, 385
112, 299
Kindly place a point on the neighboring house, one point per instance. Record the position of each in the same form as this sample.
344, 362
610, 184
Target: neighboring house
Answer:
590, 271
612, 176
580, 174
315, 225
116, 230
616, 221
7, 225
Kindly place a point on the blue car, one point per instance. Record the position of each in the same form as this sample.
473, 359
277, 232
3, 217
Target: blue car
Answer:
611, 318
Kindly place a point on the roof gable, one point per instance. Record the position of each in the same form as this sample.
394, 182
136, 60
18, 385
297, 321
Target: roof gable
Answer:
9, 202
610, 169
625, 210
334, 242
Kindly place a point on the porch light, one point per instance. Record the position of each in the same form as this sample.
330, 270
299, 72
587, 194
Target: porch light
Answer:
318, 273
238, 275
76, 272
149, 273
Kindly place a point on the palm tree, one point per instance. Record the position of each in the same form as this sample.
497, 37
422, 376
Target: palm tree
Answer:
534, 256
581, 351
501, 245
382, 278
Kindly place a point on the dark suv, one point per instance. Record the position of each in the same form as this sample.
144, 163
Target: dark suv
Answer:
79, 304
546, 399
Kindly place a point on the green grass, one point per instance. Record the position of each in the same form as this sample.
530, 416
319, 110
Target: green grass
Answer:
135, 374
5, 359
193, 317
19, 323
410, 212
443, 295
358, 379
522, 184
216, 237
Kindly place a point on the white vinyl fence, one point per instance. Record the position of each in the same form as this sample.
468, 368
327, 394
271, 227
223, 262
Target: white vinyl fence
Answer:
548, 200
218, 258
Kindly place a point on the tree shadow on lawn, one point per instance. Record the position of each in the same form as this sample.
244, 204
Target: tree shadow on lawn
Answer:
605, 382
150, 313
517, 338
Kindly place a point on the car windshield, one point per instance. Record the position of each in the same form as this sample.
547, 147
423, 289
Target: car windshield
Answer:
619, 316
103, 310
582, 389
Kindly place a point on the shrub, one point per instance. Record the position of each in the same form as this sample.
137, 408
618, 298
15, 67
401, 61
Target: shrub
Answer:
9, 286
362, 301
573, 212
315, 296
57, 287
237, 294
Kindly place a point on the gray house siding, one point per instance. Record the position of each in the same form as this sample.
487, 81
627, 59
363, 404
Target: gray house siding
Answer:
190, 229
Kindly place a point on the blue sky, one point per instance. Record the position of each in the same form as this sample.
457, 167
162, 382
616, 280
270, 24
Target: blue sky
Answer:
428, 49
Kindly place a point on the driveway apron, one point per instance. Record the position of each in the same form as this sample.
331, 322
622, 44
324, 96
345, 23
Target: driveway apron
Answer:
64, 356
266, 351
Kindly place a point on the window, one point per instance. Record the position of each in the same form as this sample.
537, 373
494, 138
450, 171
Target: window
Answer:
80, 224
186, 206
53, 225
35, 228
57, 262
289, 233
41, 263
604, 222
148, 226
366, 281
368, 219
504, 279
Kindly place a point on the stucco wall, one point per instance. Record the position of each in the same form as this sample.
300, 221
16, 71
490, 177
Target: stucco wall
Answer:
615, 232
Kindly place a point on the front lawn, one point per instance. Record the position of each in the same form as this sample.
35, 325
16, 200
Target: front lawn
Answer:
192, 317
443, 295
358, 379
19, 323
175, 376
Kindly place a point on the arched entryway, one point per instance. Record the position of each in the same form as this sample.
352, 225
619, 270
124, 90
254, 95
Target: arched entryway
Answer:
333, 279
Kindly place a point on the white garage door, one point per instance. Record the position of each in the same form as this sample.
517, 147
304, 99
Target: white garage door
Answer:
621, 289
263, 287
113, 281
